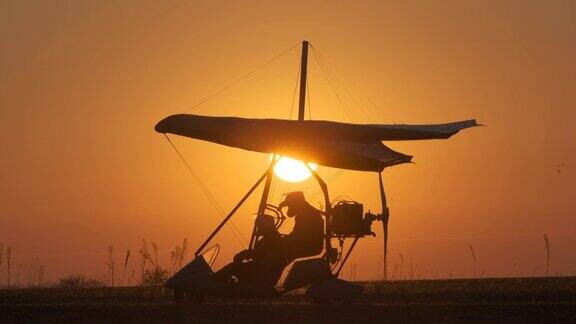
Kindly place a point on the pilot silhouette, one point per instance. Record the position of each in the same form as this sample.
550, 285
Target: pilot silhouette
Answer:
273, 251
306, 239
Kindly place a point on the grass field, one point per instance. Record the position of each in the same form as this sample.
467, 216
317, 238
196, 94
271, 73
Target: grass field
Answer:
481, 300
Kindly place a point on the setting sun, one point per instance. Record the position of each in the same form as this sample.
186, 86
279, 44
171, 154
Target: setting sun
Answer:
293, 170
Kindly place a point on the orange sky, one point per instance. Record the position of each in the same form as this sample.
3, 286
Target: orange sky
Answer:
82, 85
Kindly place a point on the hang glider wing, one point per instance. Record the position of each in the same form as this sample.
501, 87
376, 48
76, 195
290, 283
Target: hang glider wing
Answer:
339, 145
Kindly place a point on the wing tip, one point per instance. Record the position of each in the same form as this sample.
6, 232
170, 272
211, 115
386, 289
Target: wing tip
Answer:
474, 123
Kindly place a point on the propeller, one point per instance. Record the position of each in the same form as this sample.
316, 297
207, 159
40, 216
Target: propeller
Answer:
384, 218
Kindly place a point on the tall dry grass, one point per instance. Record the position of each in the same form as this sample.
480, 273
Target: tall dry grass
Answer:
8, 263
154, 267
110, 266
36, 274
18, 272
401, 266
155, 251
155, 275
353, 269
1, 257
144, 257
411, 274
125, 266
177, 256
474, 259
116, 271
379, 269
547, 246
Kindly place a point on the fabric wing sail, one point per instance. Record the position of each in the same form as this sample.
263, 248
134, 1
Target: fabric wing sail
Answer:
339, 145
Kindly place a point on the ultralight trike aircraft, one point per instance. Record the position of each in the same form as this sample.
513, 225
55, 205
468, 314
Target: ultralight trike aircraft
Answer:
339, 145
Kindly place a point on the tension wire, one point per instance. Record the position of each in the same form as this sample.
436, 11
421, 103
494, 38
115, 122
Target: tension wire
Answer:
207, 192
241, 78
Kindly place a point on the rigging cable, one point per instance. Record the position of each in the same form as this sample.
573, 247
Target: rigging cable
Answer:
331, 85
347, 97
241, 78
294, 94
213, 201
380, 109
337, 87
329, 181
308, 97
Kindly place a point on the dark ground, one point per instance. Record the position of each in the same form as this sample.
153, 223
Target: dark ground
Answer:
484, 300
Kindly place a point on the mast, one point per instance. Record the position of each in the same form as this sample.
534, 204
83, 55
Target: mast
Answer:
269, 175
301, 109
303, 74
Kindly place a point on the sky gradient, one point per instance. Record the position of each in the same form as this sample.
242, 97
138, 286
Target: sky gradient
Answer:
82, 85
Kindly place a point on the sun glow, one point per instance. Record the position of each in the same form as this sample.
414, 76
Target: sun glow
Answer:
293, 170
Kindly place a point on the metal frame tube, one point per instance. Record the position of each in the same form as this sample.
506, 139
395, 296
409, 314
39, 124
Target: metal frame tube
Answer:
346, 256
327, 212
227, 218
303, 74
262, 206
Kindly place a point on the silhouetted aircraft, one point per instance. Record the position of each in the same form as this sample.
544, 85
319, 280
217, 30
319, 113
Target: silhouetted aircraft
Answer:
333, 144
